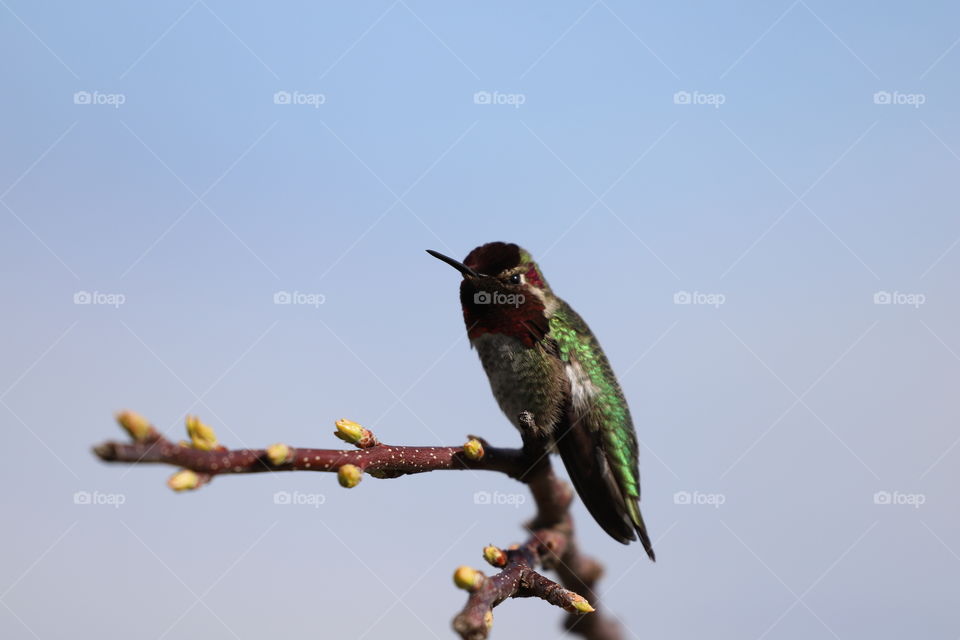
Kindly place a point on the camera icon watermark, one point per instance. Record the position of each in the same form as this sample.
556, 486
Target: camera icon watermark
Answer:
915, 500
99, 298
714, 100
298, 498
914, 300
514, 100
897, 98
715, 500
714, 300
314, 100
497, 498
98, 498
498, 297
99, 98
299, 298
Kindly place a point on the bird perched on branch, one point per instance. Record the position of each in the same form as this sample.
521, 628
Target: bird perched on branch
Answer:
540, 356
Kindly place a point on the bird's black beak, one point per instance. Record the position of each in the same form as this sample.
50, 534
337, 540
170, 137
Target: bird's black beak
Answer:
456, 264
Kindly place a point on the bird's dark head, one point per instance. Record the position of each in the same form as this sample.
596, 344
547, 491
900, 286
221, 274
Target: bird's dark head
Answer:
503, 291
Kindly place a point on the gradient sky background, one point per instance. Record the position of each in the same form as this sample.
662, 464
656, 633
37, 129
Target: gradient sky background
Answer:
199, 198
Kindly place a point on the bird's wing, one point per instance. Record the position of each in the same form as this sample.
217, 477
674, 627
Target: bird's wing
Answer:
595, 437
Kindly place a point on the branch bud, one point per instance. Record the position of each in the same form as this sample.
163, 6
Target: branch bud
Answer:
495, 556
184, 480
351, 432
136, 425
349, 475
279, 454
467, 578
578, 604
201, 435
488, 620
473, 449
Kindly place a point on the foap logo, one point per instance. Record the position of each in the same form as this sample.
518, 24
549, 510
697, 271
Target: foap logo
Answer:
899, 298
714, 500
499, 297
697, 97
895, 97
497, 498
98, 498
298, 297
697, 297
298, 498
99, 98
899, 498
298, 97
99, 298
495, 97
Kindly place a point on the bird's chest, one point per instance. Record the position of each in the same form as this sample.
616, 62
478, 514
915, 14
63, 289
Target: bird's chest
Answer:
523, 378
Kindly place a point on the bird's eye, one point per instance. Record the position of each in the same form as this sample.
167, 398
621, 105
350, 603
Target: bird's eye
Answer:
515, 279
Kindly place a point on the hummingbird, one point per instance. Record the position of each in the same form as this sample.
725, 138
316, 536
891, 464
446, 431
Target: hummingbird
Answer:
540, 356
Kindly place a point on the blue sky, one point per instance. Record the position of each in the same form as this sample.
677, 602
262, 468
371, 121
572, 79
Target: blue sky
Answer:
790, 168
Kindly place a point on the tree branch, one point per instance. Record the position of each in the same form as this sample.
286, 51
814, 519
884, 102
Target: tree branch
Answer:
550, 545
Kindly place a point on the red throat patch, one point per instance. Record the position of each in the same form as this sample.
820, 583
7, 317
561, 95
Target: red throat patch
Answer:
522, 318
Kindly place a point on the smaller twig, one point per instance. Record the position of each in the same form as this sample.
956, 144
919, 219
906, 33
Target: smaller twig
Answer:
550, 545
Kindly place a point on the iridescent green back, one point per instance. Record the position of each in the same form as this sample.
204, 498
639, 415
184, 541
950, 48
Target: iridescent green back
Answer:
610, 414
